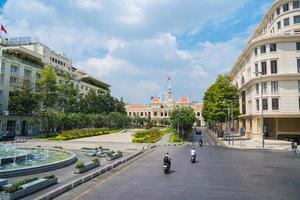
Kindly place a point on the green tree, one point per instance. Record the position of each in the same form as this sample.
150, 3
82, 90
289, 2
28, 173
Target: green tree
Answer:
218, 98
68, 96
97, 102
119, 106
48, 87
184, 118
23, 100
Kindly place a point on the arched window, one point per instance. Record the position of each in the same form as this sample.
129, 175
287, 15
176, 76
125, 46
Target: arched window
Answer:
243, 80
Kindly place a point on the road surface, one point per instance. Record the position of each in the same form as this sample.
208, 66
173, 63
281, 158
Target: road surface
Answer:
220, 173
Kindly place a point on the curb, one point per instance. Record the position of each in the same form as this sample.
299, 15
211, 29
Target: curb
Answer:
68, 186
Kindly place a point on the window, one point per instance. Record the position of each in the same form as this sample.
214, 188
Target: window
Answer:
198, 114
166, 114
278, 11
298, 46
285, 7
142, 114
257, 88
14, 69
296, 4
13, 80
298, 65
275, 104
265, 104
257, 104
286, 21
273, 66
297, 19
27, 73
129, 113
155, 114
279, 25
274, 86
264, 87
263, 49
255, 51
298, 86
256, 70
243, 80
299, 102
273, 47
263, 68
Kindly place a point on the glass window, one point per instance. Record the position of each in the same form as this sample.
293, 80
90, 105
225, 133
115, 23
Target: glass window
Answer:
27, 73
285, 7
257, 104
14, 69
257, 88
298, 86
263, 68
299, 102
274, 86
264, 87
279, 25
286, 21
263, 49
273, 66
273, 47
298, 65
297, 19
256, 70
298, 46
278, 11
275, 104
255, 51
296, 4
265, 104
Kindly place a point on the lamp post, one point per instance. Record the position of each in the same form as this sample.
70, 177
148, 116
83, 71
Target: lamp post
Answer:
262, 109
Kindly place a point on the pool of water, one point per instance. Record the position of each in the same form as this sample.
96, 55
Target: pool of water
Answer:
39, 157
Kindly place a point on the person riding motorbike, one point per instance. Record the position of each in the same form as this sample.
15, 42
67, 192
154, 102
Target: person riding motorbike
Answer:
193, 155
167, 160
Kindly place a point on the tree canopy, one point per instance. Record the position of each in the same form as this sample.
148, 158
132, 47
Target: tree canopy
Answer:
218, 98
184, 118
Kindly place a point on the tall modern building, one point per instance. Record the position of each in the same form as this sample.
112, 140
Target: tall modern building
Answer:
22, 59
267, 74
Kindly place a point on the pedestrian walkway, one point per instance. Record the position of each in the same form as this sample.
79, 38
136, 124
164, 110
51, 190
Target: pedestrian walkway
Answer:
255, 143
164, 139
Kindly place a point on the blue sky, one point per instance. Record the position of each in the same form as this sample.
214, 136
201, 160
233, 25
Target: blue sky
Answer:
134, 45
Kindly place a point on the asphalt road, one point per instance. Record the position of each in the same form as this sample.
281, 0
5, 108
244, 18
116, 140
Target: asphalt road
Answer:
220, 173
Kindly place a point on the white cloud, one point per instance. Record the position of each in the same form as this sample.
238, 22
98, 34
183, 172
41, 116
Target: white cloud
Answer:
131, 44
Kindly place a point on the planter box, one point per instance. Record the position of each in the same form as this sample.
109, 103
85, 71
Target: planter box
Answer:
114, 156
38, 185
12, 196
88, 166
2, 182
29, 188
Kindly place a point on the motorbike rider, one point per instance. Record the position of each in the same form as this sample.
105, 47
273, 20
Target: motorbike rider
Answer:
167, 160
193, 152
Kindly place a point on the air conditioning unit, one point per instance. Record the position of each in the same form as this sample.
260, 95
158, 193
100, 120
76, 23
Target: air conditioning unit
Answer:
6, 113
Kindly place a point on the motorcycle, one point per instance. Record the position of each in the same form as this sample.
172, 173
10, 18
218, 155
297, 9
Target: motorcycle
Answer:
193, 158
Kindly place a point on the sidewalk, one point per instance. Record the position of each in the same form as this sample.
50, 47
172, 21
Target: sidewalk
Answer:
255, 142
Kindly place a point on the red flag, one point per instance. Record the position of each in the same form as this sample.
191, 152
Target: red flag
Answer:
3, 29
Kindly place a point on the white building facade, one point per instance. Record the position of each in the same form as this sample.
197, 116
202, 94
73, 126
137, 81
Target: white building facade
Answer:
19, 61
161, 109
270, 64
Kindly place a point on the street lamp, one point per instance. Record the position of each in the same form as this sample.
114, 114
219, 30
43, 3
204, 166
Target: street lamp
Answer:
262, 109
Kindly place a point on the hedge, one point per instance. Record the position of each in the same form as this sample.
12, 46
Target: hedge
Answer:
79, 133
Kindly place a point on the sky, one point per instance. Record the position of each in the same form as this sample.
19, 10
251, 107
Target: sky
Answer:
135, 45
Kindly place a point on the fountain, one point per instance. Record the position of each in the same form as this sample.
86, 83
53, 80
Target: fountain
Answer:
15, 160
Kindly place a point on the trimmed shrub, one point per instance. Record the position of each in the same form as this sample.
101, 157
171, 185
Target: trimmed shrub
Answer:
79, 165
17, 186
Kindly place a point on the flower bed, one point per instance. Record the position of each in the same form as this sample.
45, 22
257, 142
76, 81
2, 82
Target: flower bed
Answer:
147, 136
80, 133
27, 187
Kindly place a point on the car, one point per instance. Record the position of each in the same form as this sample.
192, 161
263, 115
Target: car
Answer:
9, 136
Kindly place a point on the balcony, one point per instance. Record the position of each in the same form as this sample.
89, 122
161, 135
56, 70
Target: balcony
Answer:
35, 64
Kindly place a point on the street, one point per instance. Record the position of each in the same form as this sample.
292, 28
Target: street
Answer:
219, 173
